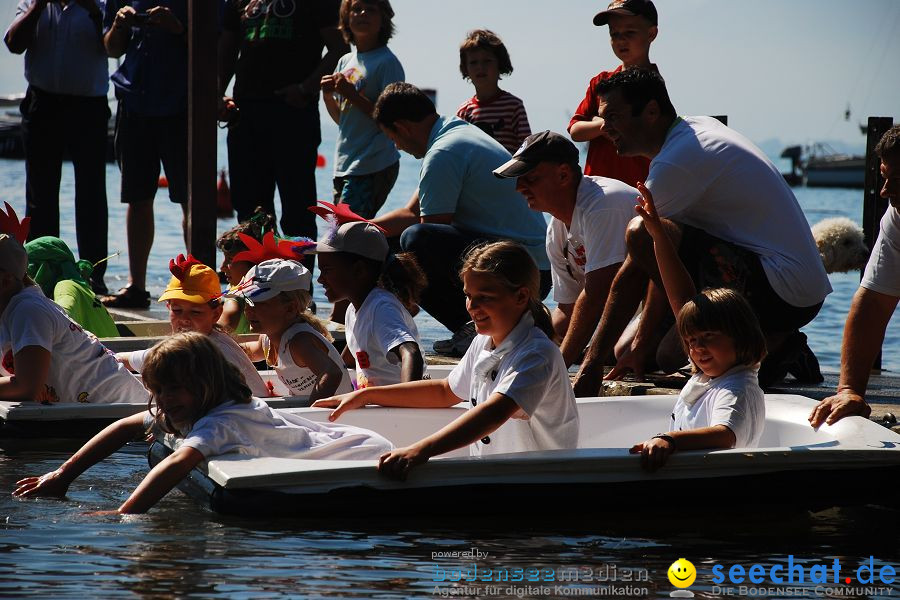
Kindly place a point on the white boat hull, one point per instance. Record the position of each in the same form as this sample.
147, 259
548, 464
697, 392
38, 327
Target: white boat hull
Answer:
852, 461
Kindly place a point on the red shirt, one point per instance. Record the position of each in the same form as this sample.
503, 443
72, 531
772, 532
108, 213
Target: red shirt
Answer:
602, 158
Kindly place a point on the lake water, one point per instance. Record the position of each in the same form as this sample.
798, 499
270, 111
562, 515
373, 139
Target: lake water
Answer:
54, 548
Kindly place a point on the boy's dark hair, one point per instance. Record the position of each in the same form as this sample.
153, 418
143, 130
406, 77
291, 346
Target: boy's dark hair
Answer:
725, 310
485, 39
387, 25
889, 144
401, 100
639, 87
256, 227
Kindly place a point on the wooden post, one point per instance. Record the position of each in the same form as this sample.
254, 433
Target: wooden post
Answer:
202, 107
873, 204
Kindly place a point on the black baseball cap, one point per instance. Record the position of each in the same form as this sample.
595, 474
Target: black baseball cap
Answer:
537, 148
630, 8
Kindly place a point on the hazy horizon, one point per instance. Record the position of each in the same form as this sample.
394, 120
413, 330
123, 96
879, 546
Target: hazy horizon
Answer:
784, 72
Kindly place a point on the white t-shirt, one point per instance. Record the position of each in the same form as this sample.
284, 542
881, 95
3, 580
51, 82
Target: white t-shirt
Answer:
883, 269
528, 368
255, 429
713, 178
382, 324
233, 354
596, 239
300, 380
733, 399
81, 368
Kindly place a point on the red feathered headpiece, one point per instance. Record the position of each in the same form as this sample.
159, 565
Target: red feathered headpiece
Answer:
340, 214
181, 266
10, 225
269, 248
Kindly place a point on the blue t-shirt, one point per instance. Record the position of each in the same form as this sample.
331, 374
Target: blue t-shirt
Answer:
152, 79
456, 178
362, 148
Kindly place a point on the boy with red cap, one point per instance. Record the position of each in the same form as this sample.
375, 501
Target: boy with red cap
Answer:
632, 28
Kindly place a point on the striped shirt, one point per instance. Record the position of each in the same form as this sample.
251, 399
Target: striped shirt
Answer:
503, 118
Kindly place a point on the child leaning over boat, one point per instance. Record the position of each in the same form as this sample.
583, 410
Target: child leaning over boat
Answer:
194, 300
382, 337
512, 373
47, 357
722, 405
201, 400
291, 340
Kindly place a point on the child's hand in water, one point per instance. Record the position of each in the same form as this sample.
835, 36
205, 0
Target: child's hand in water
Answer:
654, 452
342, 402
647, 211
50, 484
397, 463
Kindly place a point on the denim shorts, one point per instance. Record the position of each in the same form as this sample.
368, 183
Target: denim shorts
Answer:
366, 194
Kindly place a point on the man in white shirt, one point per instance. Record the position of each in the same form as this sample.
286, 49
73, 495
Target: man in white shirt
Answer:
874, 301
585, 236
734, 219
65, 110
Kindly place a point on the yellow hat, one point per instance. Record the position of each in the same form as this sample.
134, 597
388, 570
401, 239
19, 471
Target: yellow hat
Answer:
192, 281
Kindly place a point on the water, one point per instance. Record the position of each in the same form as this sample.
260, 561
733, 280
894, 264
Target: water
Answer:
178, 549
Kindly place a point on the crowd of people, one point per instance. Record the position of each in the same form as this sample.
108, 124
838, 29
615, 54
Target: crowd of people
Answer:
677, 243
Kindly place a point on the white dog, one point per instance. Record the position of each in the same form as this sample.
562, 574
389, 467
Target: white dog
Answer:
840, 243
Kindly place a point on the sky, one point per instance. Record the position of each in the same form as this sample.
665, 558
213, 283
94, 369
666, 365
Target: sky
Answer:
781, 70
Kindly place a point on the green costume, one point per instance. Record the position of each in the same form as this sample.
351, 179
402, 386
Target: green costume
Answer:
52, 266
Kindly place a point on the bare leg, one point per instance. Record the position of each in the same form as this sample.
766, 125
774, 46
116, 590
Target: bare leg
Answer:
184, 225
139, 227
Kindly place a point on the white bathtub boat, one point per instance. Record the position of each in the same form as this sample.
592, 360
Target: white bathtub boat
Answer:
71, 420
853, 461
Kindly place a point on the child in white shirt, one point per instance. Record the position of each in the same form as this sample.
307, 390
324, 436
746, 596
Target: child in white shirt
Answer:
47, 357
201, 400
512, 374
292, 341
382, 337
194, 300
722, 405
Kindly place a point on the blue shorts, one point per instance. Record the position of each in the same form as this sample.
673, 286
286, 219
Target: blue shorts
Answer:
366, 194
142, 143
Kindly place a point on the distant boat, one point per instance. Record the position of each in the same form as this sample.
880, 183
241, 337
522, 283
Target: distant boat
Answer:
11, 145
818, 165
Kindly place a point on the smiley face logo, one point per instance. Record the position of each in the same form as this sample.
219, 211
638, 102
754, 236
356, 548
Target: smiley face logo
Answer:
682, 573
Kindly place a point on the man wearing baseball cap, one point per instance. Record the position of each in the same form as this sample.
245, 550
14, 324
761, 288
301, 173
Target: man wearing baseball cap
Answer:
585, 236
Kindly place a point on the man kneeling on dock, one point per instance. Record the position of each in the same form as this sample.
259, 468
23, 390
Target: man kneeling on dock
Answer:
733, 218
874, 301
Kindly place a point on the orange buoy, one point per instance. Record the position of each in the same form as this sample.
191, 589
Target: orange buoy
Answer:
224, 209
320, 161
163, 181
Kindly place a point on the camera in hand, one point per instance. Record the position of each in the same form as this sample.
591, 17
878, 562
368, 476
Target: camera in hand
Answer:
141, 19
230, 114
